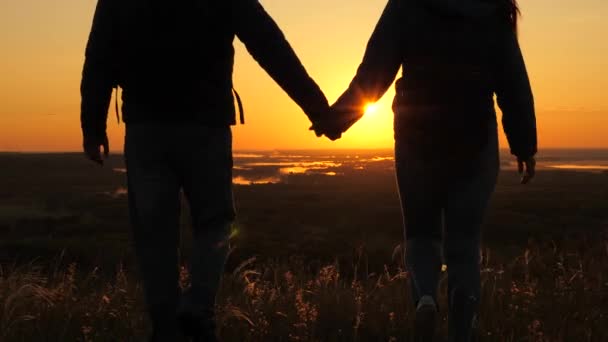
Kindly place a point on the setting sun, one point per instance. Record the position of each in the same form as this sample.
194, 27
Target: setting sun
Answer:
371, 109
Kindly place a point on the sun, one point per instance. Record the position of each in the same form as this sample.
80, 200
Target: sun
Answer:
371, 108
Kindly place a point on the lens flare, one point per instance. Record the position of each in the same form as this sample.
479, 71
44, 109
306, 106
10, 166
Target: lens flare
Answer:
371, 108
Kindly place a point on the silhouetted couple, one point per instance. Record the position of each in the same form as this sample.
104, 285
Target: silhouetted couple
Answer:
174, 61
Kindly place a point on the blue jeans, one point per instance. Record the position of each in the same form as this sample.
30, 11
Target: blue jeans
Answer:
443, 211
162, 160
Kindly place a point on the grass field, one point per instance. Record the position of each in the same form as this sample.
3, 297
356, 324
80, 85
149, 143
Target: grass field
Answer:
316, 258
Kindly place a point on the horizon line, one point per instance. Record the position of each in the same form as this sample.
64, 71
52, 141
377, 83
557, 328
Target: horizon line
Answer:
304, 149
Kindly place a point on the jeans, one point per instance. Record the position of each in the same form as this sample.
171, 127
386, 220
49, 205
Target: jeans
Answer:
162, 160
443, 211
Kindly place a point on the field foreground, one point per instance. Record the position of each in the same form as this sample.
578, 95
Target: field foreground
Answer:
316, 255
548, 293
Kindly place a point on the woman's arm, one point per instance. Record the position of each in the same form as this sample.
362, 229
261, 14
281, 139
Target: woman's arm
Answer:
379, 67
515, 99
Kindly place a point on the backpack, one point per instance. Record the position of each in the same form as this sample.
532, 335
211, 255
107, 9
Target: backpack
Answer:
194, 26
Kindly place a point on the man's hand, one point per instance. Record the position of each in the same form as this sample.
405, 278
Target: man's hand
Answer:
322, 128
333, 124
327, 124
92, 149
526, 169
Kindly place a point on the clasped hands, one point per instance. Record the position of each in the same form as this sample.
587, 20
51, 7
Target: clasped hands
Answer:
333, 122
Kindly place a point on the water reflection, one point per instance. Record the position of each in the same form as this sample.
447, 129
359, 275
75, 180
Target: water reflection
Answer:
380, 159
248, 155
272, 167
240, 180
118, 193
122, 191
309, 165
293, 170
579, 167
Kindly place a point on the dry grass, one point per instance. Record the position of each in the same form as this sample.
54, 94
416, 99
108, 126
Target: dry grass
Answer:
547, 293
62, 305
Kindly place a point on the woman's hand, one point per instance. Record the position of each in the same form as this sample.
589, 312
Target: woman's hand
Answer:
334, 123
526, 169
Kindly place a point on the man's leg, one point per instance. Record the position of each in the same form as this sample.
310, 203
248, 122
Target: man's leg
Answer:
206, 172
154, 211
465, 209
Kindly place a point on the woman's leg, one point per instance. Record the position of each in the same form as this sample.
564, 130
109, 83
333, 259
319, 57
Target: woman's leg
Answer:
421, 205
466, 203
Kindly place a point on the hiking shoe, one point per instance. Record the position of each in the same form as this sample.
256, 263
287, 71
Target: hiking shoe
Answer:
167, 336
426, 315
197, 328
195, 319
462, 318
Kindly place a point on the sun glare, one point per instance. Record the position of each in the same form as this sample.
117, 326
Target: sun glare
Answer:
371, 108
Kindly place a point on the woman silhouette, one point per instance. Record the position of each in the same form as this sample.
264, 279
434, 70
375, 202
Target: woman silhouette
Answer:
455, 54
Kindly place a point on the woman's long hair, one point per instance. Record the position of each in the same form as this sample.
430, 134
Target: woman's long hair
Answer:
512, 12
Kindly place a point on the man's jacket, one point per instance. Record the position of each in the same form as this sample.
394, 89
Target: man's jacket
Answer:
455, 55
174, 61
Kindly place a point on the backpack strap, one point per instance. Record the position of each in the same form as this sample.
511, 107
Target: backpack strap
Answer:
240, 105
116, 105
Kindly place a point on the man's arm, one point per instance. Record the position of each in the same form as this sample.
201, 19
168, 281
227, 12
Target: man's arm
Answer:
98, 79
515, 99
379, 67
268, 46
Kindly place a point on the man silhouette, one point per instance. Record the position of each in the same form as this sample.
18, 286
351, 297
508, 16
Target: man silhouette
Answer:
174, 62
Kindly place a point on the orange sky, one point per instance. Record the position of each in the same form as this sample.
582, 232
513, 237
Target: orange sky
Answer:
43, 41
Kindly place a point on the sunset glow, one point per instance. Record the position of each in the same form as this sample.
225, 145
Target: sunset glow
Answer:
43, 52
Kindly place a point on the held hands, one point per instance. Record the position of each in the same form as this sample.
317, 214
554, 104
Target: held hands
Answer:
328, 127
333, 123
92, 148
526, 169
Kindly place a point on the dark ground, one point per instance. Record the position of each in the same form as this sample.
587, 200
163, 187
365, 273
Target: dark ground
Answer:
325, 266
55, 202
